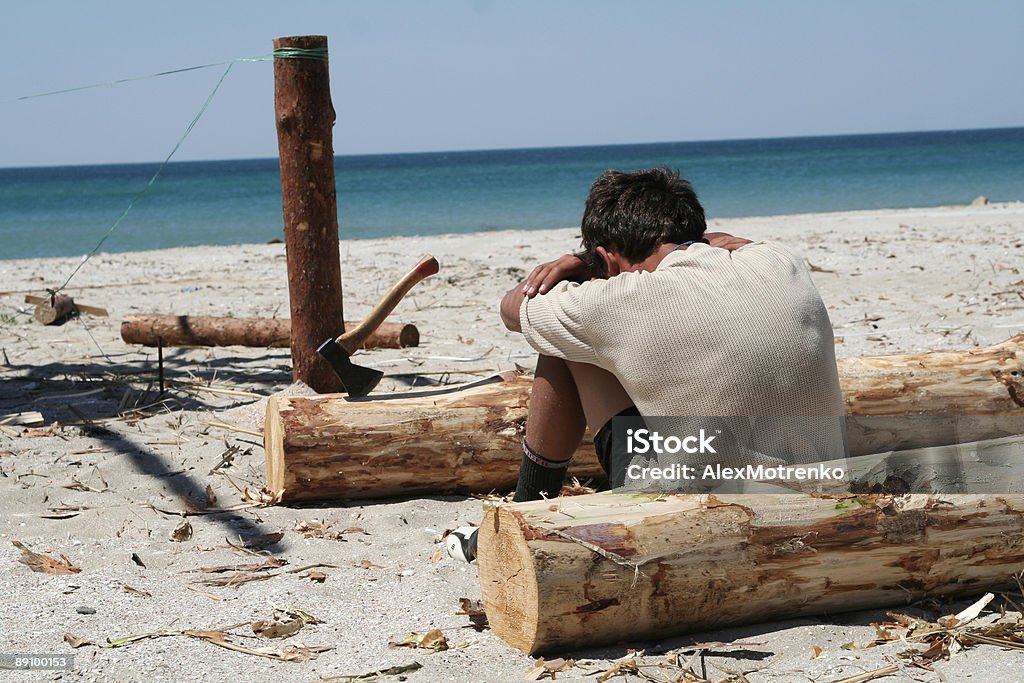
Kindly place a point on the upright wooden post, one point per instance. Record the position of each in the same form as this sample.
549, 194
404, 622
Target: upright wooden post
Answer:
305, 117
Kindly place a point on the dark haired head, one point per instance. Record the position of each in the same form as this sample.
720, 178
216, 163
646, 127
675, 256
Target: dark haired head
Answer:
637, 212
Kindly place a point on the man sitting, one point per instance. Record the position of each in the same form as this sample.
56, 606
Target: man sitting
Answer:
656, 317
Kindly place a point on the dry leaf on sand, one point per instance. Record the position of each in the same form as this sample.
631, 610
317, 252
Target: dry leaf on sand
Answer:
38, 562
277, 629
547, 669
76, 641
182, 532
262, 498
431, 640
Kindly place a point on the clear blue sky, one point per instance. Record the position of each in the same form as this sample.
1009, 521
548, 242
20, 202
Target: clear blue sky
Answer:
420, 75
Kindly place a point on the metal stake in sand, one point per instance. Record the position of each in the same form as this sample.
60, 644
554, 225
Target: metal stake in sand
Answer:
305, 117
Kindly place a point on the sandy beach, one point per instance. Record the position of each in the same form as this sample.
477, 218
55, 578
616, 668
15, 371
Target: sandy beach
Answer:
107, 485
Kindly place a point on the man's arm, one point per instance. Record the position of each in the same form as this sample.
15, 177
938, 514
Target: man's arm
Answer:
542, 279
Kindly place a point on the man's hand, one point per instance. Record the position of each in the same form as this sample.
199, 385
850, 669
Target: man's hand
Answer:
547, 275
541, 280
723, 240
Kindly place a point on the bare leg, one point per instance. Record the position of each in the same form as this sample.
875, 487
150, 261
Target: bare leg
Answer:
555, 423
566, 397
600, 394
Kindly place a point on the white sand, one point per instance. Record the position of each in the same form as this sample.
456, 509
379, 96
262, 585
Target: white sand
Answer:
894, 281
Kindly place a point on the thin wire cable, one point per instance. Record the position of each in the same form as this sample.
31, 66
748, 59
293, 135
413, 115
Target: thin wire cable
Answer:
119, 81
89, 332
149, 184
316, 54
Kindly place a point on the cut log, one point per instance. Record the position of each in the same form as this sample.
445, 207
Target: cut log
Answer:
440, 441
331, 447
81, 308
610, 567
185, 330
987, 381
54, 310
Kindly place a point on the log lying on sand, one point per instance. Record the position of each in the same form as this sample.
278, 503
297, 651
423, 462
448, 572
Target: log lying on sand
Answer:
987, 381
53, 310
330, 447
609, 567
186, 330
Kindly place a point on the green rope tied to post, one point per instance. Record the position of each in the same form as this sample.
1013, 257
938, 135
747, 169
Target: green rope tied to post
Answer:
318, 54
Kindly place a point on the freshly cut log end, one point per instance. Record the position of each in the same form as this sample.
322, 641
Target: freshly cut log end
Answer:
273, 432
54, 310
408, 337
612, 567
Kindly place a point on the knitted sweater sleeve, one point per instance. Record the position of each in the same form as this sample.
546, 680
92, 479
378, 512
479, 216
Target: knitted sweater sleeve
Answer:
555, 323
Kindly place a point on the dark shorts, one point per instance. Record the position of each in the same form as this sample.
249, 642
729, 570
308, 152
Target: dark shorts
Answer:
611, 448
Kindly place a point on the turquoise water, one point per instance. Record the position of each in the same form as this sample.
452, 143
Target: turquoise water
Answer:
64, 211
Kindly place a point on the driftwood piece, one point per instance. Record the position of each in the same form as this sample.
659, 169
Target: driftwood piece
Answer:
608, 567
31, 418
185, 330
331, 447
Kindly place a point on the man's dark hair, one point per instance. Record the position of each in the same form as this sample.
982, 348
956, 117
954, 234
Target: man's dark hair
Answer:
636, 212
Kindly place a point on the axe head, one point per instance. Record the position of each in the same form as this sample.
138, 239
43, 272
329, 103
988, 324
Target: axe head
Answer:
358, 381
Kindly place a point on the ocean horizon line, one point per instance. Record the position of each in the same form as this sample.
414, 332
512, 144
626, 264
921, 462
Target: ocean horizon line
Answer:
541, 148
53, 211
1010, 207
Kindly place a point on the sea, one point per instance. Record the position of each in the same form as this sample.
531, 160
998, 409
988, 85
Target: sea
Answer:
65, 211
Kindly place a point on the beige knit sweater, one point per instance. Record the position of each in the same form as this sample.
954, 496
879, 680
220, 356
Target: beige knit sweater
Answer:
708, 333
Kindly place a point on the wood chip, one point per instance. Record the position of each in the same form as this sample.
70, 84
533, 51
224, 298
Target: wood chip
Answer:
366, 564
136, 591
76, 641
27, 419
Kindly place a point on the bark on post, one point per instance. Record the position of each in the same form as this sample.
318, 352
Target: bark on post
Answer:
305, 117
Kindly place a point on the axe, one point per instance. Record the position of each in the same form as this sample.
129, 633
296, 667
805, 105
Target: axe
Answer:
360, 381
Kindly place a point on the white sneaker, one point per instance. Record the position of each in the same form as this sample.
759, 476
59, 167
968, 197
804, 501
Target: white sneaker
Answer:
460, 544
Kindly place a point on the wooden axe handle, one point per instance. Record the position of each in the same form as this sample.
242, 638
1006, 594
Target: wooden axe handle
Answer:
354, 338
